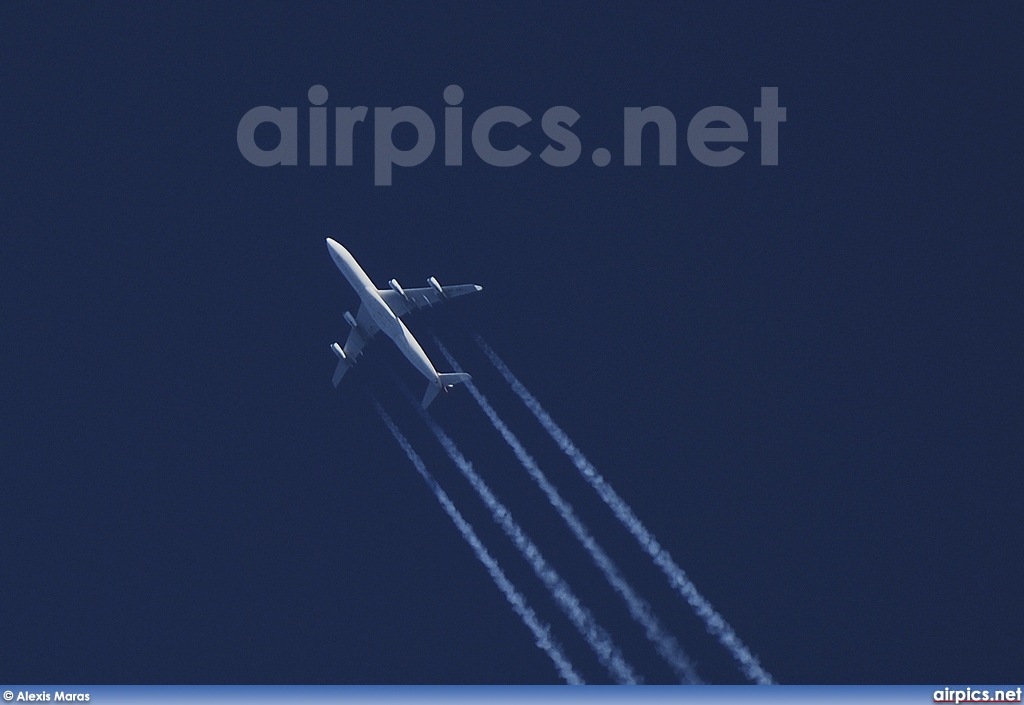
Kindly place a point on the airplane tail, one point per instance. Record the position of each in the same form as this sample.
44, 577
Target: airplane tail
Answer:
447, 380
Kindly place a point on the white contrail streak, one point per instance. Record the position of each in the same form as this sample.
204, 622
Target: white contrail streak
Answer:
596, 637
641, 611
677, 577
541, 632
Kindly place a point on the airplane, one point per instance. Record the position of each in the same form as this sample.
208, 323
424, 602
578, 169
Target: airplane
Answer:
382, 310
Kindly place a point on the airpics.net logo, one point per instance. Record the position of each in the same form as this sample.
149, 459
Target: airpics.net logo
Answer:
711, 134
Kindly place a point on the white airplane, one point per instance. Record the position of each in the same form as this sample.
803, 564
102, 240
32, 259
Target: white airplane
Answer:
381, 310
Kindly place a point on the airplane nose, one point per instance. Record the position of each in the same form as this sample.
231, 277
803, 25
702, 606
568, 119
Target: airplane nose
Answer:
336, 250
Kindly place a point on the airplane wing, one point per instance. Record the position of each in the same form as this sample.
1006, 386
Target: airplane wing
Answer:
401, 301
361, 334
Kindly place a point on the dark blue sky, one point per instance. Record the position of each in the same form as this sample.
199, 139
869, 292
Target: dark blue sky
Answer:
805, 378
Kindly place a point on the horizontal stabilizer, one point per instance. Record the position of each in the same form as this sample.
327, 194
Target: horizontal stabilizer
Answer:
446, 381
432, 390
450, 379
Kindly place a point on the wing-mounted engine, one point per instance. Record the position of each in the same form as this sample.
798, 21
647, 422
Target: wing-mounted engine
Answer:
344, 363
401, 300
437, 287
397, 288
363, 330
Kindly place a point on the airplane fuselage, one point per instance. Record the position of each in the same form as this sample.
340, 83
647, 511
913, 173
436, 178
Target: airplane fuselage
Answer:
389, 324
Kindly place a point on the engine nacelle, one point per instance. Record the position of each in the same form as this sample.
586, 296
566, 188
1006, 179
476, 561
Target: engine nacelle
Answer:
350, 319
398, 289
436, 287
339, 351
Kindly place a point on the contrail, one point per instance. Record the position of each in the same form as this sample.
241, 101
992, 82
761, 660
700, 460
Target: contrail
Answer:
664, 643
677, 577
541, 632
596, 637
